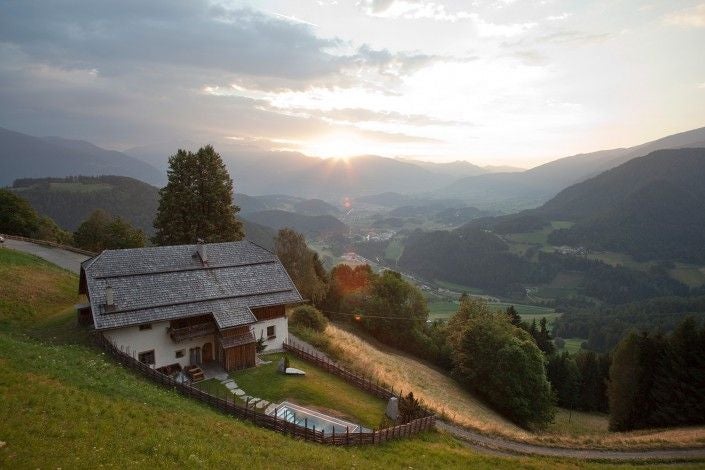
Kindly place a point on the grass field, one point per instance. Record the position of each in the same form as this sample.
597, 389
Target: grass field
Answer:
394, 250
692, 276
442, 309
572, 345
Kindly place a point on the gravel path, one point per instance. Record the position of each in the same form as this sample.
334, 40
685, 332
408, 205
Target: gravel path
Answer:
66, 259
519, 448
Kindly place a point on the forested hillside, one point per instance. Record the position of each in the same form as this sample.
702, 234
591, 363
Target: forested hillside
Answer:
69, 201
650, 207
311, 226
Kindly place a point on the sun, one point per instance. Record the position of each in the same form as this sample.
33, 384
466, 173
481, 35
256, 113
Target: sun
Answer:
341, 146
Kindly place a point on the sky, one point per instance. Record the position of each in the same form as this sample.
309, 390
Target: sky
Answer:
493, 82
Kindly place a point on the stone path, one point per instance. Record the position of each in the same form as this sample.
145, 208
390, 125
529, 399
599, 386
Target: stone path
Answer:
253, 402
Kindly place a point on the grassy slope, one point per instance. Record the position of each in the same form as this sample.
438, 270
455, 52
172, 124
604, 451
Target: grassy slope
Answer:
65, 405
445, 395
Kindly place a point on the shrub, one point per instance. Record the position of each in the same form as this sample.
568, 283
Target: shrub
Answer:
309, 317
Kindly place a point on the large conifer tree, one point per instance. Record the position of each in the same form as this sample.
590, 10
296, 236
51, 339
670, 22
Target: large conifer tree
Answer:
197, 201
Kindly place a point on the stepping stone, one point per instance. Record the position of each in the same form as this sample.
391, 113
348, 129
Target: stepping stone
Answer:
254, 401
270, 408
230, 385
261, 404
244, 397
223, 377
232, 391
238, 392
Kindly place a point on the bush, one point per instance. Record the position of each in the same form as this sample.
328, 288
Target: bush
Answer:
309, 317
559, 342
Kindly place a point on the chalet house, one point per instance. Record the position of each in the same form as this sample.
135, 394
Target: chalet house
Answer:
185, 305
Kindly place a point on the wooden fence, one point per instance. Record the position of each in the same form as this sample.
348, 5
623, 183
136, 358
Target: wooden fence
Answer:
51, 244
233, 406
365, 383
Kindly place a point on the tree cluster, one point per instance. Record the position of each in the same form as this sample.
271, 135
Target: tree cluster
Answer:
17, 217
500, 362
302, 264
101, 231
659, 381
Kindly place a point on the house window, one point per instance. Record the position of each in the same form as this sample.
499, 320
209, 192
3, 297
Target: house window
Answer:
271, 332
147, 357
146, 326
180, 353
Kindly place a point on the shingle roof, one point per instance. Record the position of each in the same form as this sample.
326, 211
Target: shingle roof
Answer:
170, 282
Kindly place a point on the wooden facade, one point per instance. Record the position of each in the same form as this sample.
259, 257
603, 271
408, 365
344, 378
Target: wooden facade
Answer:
236, 357
267, 313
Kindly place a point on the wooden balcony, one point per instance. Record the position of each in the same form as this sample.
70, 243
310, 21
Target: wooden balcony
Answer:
192, 331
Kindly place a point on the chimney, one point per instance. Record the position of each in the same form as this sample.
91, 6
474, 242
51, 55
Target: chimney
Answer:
109, 297
202, 251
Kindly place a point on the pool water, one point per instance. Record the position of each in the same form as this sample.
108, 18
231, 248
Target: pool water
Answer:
310, 418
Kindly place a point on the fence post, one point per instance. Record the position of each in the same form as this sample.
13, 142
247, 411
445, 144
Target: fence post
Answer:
347, 435
305, 428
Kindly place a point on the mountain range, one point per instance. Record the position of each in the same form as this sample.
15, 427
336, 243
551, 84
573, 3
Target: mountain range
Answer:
258, 171
25, 156
531, 188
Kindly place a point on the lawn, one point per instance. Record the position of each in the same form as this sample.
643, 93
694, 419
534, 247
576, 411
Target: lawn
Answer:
317, 389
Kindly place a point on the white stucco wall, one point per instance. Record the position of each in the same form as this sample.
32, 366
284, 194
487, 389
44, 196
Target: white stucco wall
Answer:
281, 329
134, 340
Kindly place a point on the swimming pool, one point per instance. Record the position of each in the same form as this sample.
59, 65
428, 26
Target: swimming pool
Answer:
310, 418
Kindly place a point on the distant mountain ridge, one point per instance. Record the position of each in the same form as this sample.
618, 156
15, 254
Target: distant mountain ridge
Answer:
26, 156
533, 187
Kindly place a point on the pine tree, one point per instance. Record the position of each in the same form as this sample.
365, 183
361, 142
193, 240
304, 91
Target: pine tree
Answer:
513, 315
197, 201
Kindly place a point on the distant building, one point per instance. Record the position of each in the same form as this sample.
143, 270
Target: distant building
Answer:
185, 305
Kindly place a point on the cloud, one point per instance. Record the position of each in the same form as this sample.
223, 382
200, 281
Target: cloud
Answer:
134, 72
410, 9
422, 9
690, 17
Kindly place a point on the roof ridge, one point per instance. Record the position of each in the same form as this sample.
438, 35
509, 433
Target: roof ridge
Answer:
188, 268
209, 299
